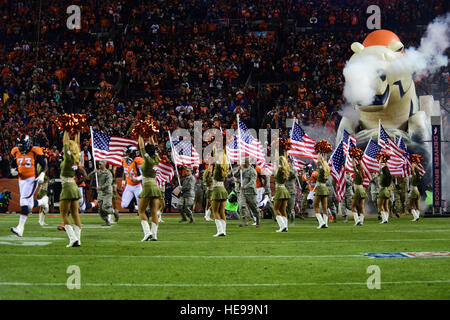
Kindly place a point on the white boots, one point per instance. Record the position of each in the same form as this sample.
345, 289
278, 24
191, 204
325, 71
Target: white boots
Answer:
384, 217
221, 226
321, 221
416, 214
73, 239
283, 223
154, 232
208, 215
18, 231
357, 219
159, 217
146, 229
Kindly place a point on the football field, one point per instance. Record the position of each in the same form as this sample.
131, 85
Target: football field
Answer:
249, 263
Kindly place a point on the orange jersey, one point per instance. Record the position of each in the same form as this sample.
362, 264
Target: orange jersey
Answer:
26, 163
130, 170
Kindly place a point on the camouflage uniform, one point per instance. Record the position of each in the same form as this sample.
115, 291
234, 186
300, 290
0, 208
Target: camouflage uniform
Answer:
247, 196
400, 193
346, 203
186, 200
105, 194
332, 200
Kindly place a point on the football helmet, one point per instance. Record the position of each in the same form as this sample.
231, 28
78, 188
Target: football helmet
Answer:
130, 153
24, 143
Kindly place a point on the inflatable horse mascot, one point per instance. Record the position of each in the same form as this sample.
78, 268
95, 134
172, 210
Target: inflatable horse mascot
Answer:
395, 103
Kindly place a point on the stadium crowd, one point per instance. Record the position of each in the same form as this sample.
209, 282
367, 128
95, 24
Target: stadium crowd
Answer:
185, 61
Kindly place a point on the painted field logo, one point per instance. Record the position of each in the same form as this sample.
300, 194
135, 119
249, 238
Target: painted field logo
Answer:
440, 254
27, 241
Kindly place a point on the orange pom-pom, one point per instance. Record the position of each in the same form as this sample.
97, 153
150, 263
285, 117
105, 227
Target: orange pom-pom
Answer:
356, 153
284, 144
323, 147
416, 158
46, 152
383, 156
145, 128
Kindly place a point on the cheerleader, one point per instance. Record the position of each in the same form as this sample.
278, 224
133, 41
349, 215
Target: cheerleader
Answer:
68, 199
150, 195
414, 182
385, 180
359, 194
219, 194
281, 194
322, 192
208, 180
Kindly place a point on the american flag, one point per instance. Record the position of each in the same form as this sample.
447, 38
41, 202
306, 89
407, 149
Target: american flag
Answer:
348, 160
408, 164
298, 164
370, 156
233, 150
266, 167
249, 146
164, 173
184, 154
349, 141
302, 146
110, 148
337, 170
389, 145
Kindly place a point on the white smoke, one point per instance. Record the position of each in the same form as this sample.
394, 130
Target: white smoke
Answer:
429, 57
361, 79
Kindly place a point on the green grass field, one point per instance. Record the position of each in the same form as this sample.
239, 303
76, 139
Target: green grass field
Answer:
249, 263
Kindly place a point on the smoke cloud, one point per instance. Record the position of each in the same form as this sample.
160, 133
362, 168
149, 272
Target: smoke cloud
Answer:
361, 79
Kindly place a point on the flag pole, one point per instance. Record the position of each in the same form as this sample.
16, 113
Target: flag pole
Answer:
294, 121
173, 159
93, 155
239, 147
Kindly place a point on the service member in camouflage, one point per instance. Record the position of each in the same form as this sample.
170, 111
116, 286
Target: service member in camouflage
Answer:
187, 196
247, 196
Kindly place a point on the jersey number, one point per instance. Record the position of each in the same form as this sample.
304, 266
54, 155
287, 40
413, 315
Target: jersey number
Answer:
27, 163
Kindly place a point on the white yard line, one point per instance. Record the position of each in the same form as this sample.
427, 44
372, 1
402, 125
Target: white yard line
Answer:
186, 257
294, 284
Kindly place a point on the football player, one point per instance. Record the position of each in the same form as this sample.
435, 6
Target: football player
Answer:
25, 158
132, 177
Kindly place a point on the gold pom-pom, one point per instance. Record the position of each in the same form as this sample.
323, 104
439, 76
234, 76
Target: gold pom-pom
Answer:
284, 144
145, 128
416, 158
383, 156
323, 147
356, 153
46, 152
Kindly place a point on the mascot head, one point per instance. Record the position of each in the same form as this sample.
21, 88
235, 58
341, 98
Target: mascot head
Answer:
390, 89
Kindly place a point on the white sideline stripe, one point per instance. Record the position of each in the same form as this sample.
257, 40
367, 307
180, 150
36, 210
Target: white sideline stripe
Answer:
183, 257
258, 241
275, 241
247, 232
296, 284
